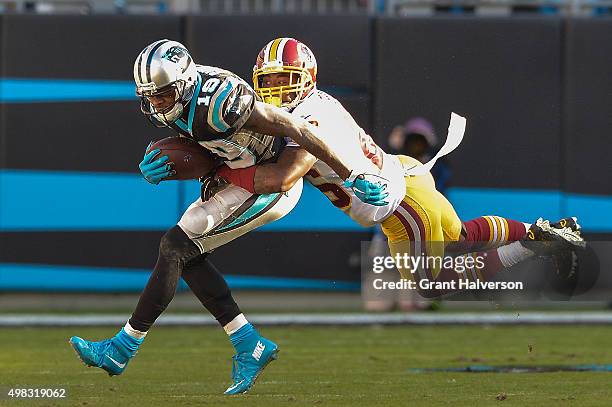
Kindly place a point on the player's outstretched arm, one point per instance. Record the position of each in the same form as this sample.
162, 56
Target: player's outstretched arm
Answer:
280, 176
271, 120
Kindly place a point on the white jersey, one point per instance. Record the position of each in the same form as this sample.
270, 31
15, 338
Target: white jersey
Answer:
356, 149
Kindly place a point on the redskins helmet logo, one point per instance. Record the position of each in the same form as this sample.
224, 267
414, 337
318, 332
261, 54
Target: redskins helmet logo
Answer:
305, 54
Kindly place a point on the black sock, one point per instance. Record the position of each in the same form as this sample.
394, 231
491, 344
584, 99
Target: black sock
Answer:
211, 289
175, 250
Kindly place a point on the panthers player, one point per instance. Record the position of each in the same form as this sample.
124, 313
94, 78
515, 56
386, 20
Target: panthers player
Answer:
221, 112
415, 217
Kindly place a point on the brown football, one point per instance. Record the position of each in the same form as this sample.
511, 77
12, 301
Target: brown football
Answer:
190, 160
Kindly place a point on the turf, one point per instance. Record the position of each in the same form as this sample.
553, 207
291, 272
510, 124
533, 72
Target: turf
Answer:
327, 366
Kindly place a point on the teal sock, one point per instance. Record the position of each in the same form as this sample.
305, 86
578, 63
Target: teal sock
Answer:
127, 342
244, 338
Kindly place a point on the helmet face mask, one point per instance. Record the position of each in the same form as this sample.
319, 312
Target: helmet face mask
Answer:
283, 88
170, 106
165, 77
293, 59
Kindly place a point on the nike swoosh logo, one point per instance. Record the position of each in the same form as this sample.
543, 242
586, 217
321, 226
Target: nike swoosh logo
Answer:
232, 387
121, 365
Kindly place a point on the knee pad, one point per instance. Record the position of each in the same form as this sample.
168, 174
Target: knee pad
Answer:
175, 245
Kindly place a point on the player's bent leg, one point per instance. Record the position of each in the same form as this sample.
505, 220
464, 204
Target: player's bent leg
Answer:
113, 354
419, 228
205, 226
175, 251
239, 212
426, 224
541, 240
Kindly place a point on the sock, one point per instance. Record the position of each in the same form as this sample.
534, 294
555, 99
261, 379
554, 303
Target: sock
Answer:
513, 253
235, 324
244, 338
133, 332
491, 231
128, 342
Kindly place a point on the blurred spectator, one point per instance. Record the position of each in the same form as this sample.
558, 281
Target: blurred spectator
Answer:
417, 139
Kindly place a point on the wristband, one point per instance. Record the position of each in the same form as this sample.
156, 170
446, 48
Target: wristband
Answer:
242, 177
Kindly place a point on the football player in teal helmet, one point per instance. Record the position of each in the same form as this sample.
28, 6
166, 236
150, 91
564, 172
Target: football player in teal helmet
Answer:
221, 112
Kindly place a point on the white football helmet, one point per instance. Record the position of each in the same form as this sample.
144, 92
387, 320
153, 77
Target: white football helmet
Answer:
165, 68
288, 56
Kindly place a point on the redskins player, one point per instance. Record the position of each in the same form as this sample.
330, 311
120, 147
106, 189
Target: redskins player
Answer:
415, 217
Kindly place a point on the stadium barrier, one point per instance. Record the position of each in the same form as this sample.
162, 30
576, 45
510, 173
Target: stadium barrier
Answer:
523, 318
71, 134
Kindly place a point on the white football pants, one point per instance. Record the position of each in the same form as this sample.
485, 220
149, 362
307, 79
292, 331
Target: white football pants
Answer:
232, 212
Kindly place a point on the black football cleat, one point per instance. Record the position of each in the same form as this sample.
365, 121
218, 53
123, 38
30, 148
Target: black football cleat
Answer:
546, 239
557, 241
571, 223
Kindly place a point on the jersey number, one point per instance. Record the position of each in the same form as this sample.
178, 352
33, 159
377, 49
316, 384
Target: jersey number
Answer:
209, 87
338, 196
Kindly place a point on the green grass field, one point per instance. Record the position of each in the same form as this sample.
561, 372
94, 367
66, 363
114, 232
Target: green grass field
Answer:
337, 366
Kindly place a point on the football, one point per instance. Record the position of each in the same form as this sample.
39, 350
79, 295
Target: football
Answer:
190, 160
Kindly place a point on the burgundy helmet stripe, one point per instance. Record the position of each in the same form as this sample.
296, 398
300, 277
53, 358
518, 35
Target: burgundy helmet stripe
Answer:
290, 52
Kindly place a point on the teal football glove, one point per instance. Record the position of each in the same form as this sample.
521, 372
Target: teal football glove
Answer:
373, 193
155, 171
